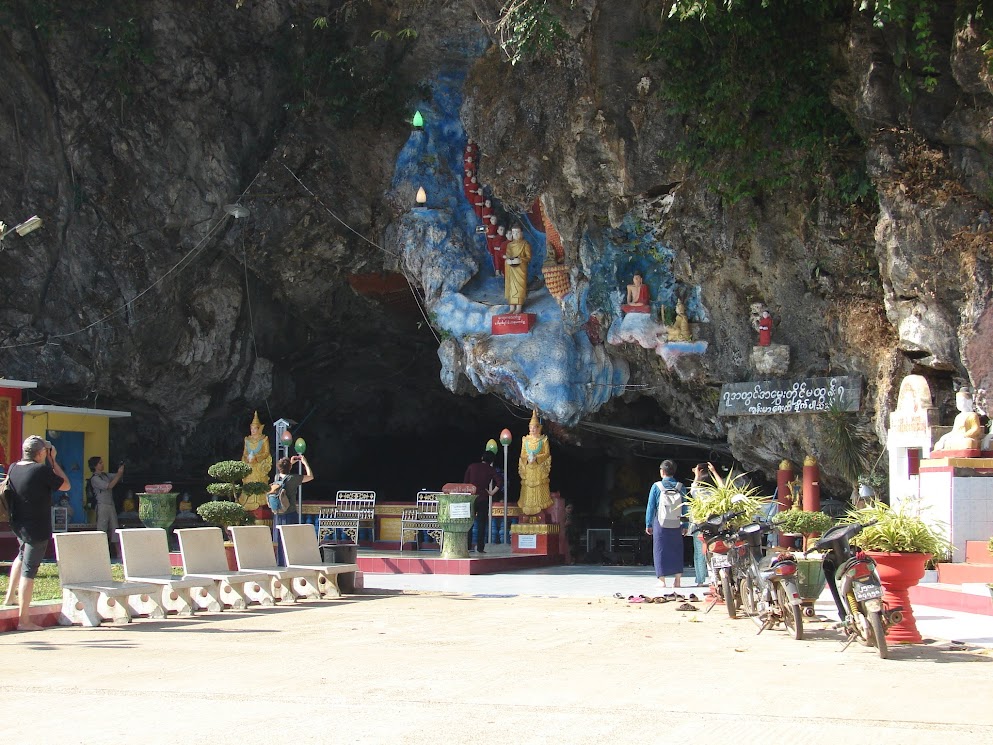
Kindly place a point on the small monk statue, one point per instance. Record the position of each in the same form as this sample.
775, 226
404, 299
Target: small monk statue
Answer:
256, 454
967, 431
516, 258
639, 298
534, 466
765, 329
680, 329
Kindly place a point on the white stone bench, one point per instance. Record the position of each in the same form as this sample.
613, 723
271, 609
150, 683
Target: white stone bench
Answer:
254, 552
145, 553
203, 557
90, 595
300, 550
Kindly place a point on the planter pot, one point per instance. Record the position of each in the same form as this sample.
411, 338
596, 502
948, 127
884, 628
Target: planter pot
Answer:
157, 510
898, 573
810, 578
455, 519
791, 541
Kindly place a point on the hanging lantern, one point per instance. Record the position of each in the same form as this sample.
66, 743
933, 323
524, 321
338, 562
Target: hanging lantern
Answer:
422, 196
300, 446
287, 436
506, 438
491, 446
418, 120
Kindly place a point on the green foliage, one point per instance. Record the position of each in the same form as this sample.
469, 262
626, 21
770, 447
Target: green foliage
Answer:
224, 514
848, 442
898, 530
798, 521
716, 499
752, 80
528, 29
230, 473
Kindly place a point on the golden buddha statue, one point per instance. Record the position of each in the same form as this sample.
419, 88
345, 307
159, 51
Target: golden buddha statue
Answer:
515, 270
257, 455
534, 466
680, 328
967, 430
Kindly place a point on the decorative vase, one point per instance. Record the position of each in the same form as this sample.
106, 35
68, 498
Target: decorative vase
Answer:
455, 519
229, 554
157, 510
899, 572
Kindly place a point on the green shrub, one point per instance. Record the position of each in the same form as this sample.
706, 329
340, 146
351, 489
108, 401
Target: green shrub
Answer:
716, 500
798, 521
898, 531
223, 514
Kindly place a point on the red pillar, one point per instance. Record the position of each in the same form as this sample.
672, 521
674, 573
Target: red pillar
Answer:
811, 485
783, 478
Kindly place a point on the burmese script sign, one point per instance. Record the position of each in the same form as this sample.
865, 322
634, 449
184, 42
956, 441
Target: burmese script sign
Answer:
791, 396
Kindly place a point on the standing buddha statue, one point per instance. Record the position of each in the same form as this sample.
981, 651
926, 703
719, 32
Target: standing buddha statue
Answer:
534, 466
257, 455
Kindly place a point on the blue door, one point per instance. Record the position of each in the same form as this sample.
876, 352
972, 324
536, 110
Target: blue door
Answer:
70, 456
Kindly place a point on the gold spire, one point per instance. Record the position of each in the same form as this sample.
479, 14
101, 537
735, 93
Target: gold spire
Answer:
256, 422
534, 419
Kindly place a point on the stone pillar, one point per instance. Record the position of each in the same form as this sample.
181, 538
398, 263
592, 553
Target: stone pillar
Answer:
811, 485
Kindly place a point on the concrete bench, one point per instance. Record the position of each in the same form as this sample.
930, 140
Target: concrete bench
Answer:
422, 517
145, 554
254, 553
300, 550
352, 511
90, 595
203, 555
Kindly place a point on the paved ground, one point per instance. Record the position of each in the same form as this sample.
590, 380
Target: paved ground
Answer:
394, 667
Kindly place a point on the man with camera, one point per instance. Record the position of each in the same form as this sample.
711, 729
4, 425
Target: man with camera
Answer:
103, 488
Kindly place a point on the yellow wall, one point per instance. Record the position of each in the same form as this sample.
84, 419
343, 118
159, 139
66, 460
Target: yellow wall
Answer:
95, 429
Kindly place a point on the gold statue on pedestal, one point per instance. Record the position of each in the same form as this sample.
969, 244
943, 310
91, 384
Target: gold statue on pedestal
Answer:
257, 455
534, 466
967, 430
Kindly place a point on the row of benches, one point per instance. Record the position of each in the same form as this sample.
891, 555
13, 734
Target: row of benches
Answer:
90, 595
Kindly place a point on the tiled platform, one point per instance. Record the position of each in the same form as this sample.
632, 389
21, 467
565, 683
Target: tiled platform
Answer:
497, 559
953, 597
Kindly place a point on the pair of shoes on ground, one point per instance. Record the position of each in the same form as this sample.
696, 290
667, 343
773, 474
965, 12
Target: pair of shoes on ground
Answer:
686, 606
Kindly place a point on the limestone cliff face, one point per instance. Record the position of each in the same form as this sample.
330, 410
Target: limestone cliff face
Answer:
129, 127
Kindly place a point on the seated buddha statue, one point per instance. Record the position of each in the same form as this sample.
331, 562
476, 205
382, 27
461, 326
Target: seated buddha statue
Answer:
680, 328
639, 298
967, 431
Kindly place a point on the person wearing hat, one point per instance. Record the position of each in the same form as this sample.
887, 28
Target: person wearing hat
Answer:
32, 478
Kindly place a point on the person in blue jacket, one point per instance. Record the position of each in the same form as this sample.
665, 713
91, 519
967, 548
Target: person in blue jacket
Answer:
664, 523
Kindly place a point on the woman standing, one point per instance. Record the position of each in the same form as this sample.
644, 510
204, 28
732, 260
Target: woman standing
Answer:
32, 478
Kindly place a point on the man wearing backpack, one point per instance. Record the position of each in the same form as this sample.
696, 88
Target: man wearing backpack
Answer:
283, 493
663, 522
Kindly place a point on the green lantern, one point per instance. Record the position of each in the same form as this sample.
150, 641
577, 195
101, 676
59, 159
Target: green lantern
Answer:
491, 447
300, 446
418, 120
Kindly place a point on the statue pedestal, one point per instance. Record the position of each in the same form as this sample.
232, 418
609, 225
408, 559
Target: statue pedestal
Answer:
967, 453
512, 323
771, 360
534, 538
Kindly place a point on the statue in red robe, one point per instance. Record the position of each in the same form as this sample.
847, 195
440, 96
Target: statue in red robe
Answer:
638, 299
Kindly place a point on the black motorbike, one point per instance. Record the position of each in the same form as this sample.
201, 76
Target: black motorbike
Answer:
767, 583
854, 583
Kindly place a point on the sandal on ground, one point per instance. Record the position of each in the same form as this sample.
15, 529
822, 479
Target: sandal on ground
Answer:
636, 599
618, 596
686, 606
692, 598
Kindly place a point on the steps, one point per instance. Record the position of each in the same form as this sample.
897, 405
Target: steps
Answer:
977, 567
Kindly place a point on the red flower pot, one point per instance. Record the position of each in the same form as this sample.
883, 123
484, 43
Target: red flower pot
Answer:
899, 572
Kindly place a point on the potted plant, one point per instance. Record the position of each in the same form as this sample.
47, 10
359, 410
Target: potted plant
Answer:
810, 571
901, 543
230, 474
717, 499
224, 514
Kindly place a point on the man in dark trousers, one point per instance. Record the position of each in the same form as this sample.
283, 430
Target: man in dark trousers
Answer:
488, 482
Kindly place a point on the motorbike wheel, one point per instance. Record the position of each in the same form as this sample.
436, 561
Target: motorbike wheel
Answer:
748, 600
792, 616
728, 593
878, 634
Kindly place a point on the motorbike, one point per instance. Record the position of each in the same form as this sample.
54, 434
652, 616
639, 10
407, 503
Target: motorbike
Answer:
854, 584
721, 557
767, 583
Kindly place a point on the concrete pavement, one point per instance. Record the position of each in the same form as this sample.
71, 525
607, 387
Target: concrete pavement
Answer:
508, 663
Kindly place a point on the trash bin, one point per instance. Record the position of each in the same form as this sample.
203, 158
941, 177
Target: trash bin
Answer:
343, 554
